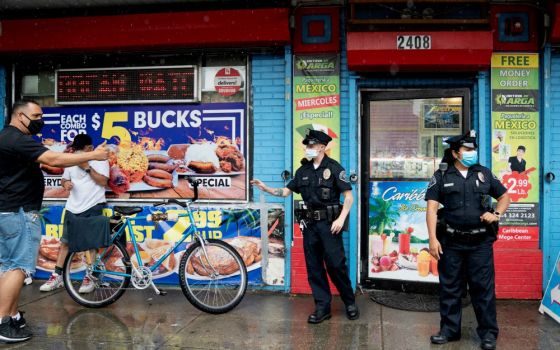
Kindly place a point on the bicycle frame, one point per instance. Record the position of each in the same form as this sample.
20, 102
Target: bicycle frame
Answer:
192, 230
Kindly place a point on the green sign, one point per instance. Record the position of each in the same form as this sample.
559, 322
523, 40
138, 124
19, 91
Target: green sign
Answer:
316, 101
515, 137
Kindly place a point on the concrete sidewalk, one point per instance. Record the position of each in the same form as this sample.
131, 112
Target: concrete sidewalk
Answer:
143, 320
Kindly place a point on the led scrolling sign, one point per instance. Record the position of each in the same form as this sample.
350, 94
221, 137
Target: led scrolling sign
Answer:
126, 85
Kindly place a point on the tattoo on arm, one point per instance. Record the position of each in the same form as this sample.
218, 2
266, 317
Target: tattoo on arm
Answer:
278, 192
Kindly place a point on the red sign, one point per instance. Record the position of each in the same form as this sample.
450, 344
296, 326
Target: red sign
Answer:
518, 184
227, 81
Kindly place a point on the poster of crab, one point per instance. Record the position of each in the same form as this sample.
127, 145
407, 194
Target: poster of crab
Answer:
153, 148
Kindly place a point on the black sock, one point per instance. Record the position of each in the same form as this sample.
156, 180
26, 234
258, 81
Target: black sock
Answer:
58, 270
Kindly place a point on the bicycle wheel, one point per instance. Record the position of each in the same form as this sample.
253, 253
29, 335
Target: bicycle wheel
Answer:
215, 284
106, 286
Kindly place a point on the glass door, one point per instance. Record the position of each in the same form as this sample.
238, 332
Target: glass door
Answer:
404, 133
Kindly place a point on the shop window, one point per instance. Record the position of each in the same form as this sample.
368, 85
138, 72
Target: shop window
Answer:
406, 135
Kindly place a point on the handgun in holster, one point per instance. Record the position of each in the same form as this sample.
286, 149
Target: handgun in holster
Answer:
333, 212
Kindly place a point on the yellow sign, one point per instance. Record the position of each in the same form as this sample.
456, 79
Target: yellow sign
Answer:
525, 60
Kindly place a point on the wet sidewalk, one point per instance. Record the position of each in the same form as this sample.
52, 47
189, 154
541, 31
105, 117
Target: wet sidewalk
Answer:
143, 320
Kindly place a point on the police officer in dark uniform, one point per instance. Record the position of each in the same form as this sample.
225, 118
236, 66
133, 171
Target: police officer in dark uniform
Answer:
321, 180
461, 237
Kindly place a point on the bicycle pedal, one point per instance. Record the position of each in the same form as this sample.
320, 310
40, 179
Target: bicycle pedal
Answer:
162, 292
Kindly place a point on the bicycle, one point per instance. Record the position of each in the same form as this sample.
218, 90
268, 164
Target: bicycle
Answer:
213, 276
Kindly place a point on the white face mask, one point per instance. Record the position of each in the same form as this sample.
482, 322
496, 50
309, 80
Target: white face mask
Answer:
311, 153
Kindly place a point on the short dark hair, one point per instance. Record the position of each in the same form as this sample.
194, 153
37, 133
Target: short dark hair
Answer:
81, 141
19, 104
520, 147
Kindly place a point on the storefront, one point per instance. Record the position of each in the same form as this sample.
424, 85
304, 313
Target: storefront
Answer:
177, 92
389, 86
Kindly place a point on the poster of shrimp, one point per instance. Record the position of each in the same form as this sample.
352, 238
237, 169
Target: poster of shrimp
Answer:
153, 148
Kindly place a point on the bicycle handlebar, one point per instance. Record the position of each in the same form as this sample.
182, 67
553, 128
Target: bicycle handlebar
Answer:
194, 184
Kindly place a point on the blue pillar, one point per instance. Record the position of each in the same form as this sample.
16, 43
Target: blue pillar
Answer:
353, 137
288, 136
547, 156
484, 122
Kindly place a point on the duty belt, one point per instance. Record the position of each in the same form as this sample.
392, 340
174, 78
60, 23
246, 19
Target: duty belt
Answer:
472, 232
316, 215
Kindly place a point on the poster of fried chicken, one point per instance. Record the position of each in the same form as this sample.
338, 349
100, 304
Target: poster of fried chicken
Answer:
154, 148
261, 248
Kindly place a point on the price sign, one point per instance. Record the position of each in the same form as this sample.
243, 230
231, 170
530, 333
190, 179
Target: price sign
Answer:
126, 85
517, 184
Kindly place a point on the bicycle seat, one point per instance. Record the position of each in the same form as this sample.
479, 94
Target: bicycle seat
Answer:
127, 210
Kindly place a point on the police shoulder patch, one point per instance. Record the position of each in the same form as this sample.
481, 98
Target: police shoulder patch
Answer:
342, 176
433, 182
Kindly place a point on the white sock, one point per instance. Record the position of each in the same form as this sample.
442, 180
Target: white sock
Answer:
16, 316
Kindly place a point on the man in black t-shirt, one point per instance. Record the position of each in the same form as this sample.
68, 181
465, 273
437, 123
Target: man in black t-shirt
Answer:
21, 195
517, 163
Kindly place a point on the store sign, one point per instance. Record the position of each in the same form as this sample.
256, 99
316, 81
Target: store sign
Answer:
240, 227
227, 81
398, 237
205, 141
316, 101
515, 141
551, 301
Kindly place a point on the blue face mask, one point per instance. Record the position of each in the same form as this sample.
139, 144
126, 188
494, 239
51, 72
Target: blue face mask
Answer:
469, 159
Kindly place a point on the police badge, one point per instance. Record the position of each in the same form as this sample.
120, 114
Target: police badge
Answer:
342, 176
433, 181
327, 174
481, 177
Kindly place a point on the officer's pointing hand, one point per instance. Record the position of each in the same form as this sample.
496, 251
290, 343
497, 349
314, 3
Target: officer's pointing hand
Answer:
435, 248
260, 185
337, 226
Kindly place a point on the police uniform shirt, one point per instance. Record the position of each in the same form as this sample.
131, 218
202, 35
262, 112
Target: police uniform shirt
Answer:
322, 186
517, 165
464, 200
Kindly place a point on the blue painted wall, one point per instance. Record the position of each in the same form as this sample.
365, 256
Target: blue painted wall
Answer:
550, 232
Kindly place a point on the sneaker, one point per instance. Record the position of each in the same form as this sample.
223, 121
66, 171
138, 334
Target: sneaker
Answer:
28, 280
9, 333
54, 282
21, 322
87, 286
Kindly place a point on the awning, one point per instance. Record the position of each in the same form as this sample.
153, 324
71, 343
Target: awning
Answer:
231, 28
419, 51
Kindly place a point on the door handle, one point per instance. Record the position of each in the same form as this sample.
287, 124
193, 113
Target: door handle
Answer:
549, 177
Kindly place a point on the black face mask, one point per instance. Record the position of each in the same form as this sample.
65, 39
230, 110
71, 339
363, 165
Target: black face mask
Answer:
35, 126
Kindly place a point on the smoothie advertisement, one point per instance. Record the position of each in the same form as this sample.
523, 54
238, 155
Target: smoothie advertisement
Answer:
515, 142
240, 227
154, 147
397, 233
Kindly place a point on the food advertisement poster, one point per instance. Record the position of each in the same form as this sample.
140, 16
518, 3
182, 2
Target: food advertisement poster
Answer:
240, 227
515, 142
155, 147
398, 237
551, 301
316, 101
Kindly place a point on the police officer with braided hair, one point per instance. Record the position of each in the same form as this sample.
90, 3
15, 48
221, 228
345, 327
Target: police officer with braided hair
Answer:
461, 237
321, 180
